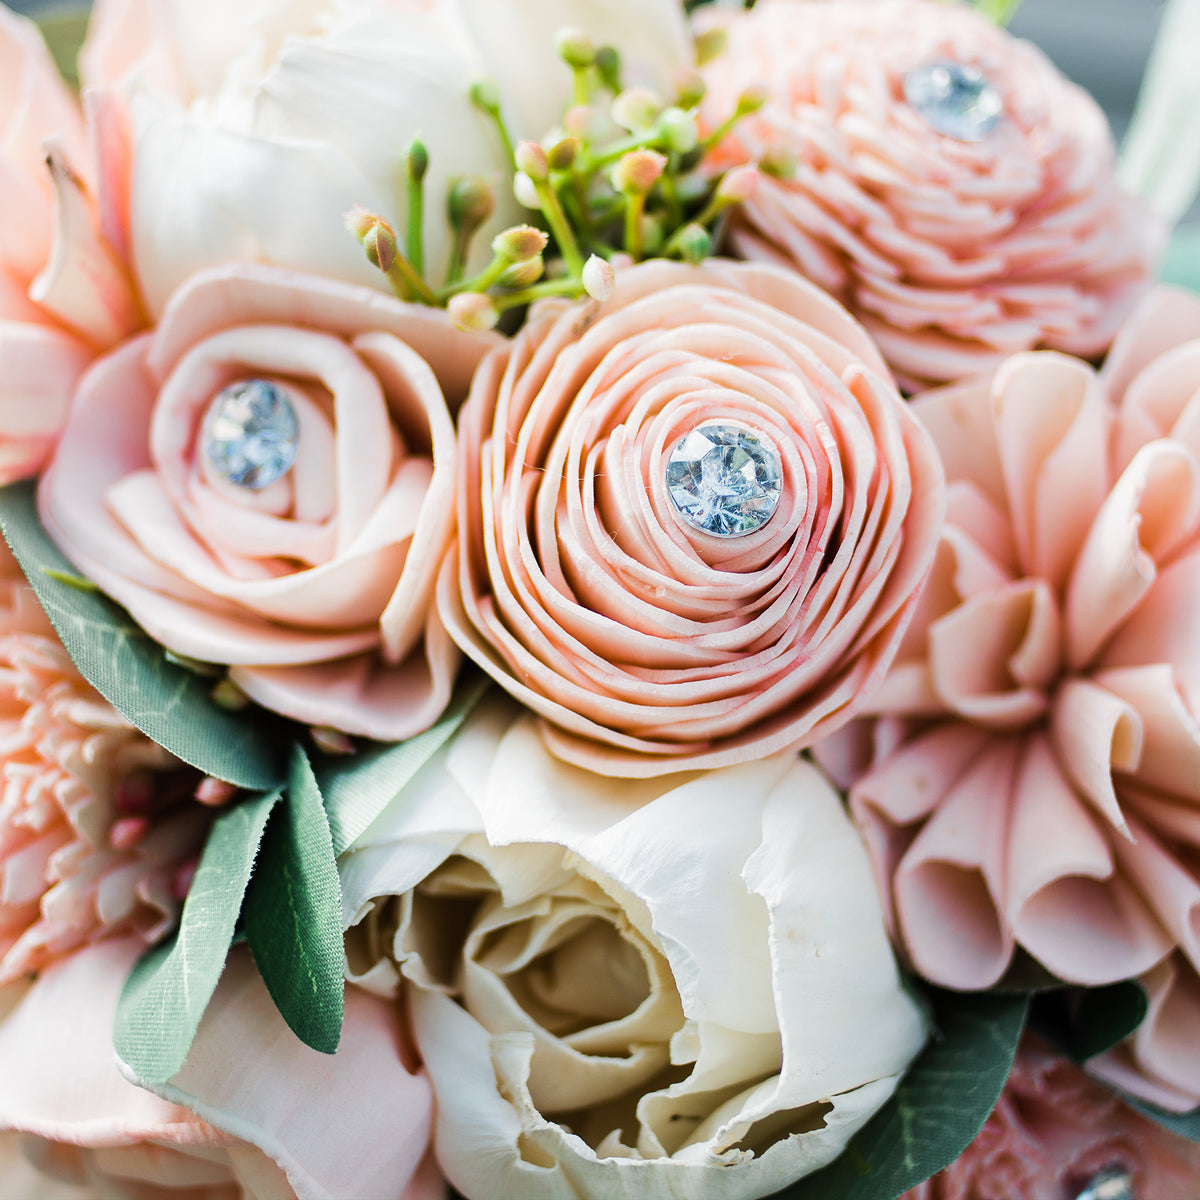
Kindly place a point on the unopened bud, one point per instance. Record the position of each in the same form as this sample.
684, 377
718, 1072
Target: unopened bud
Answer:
575, 48
637, 172
525, 191
709, 44
473, 311
599, 278
738, 185
417, 160
359, 221
486, 96
780, 162
214, 792
752, 99
562, 154
520, 243
688, 87
679, 130
531, 159
469, 202
608, 66
694, 242
523, 274
636, 109
378, 238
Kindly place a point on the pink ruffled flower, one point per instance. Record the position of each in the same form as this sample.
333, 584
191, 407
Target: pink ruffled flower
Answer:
1036, 768
316, 589
953, 253
1052, 1132
98, 834
647, 644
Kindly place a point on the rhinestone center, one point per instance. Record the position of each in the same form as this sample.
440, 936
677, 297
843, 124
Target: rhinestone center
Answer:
725, 479
250, 434
955, 99
1110, 1183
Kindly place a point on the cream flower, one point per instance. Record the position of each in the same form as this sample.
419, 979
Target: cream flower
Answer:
610, 1000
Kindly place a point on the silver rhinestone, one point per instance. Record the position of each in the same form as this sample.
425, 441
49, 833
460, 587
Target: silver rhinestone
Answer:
1110, 1183
250, 434
955, 99
725, 479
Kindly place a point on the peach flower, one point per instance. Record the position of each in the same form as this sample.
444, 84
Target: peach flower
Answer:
1054, 1131
98, 834
647, 644
954, 253
1036, 775
316, 589
230, 1127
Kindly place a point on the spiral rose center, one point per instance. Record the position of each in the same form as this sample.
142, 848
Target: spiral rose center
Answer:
251, 434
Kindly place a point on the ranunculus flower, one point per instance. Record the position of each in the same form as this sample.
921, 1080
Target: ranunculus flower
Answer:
954, 253
647, 644
98, 830
610, 1000
1054, 1131
1036, 780
316, 589
253, 1115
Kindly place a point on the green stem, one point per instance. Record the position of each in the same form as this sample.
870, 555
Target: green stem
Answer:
560, 227
539, 291
414, 240
408, 285
635, 206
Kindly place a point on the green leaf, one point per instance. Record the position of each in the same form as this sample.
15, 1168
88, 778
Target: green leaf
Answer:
357, 789
1083, 1022
168, 990
937, 1109
1186, 1125
167, 702
293, 914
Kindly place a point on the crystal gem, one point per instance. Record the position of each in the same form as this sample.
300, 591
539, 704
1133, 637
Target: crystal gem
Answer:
955, 99
725, 479
250, 434
1110, 1183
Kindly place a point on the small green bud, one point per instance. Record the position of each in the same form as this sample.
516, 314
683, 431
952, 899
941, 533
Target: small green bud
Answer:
752, 99
469, 202
608, 66
694, 242
678, 129
636, 109
688, 87
599, 278
377, 237
575, 49
523, 274
710, 44
486, 96
637, 172
473, 311
359, 221
417, 160
531, 159
520, 243
779, 162
561, 155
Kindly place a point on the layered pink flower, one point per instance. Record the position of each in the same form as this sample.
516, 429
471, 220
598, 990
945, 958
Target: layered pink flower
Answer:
953, 253
647, 644
1054, 1131
98, 834
1036, 774
317, 589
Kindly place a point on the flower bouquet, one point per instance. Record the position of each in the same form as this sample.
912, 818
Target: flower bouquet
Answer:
602, 603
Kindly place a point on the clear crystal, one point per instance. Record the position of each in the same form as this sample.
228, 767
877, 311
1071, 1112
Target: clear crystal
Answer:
956, 99
1110, 1183
725, 479
250, 434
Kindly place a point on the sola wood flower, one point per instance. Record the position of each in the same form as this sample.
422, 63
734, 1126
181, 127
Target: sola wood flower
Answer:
98, 834
267, 481
953, 189
1053, 1132
1037, 766
583, 582
611, 1001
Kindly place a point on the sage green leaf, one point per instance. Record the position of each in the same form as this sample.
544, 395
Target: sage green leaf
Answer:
1186, 1125
1082, 1022
938, 1107
358, 788
169, 988
167, 702
293, 913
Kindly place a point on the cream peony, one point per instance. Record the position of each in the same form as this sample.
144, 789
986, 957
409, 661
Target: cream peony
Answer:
613, 1002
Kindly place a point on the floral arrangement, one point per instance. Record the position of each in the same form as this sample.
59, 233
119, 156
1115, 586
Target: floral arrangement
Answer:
601, 603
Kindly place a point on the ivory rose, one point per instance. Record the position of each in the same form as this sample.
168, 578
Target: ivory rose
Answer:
1035, 779
954, 253
317, 589
649, 645
611, 1001
230, 1127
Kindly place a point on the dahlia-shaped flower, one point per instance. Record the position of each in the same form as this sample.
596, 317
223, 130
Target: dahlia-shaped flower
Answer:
953, 189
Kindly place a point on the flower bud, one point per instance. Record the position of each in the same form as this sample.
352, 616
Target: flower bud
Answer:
417, 160
679, 130
575, 48
531, 159
752, 99
525, 191
688, 87
214, 792
359, 221
608, 66
738, 185
473, 311
520, 243
486, 96
380, 246
599, 278
694, 242
709, 44
637, 172
469, 203
523, 274
779, 162
636, 109
562, 154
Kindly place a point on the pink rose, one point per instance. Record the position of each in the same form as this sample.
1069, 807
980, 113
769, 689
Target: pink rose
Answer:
317, 588
230, 1125
648, 644
954, 253
1053, 1132
1036, 780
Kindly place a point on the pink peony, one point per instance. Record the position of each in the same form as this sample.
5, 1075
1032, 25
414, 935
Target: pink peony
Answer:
649, 645
953, 253
316, 589
97, 832
1052, 1132
1036, 765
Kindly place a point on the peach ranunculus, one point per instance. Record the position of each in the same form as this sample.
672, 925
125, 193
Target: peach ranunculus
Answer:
954, 248
647, 643
610, 1000
1036, 762
316, 586
98, 830
1053, 1132
229, 1126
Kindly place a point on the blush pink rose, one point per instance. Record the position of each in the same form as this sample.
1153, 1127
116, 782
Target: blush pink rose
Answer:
229, 1126
647, 645
952, 253
1036, 774
316, 590
1052, 1132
